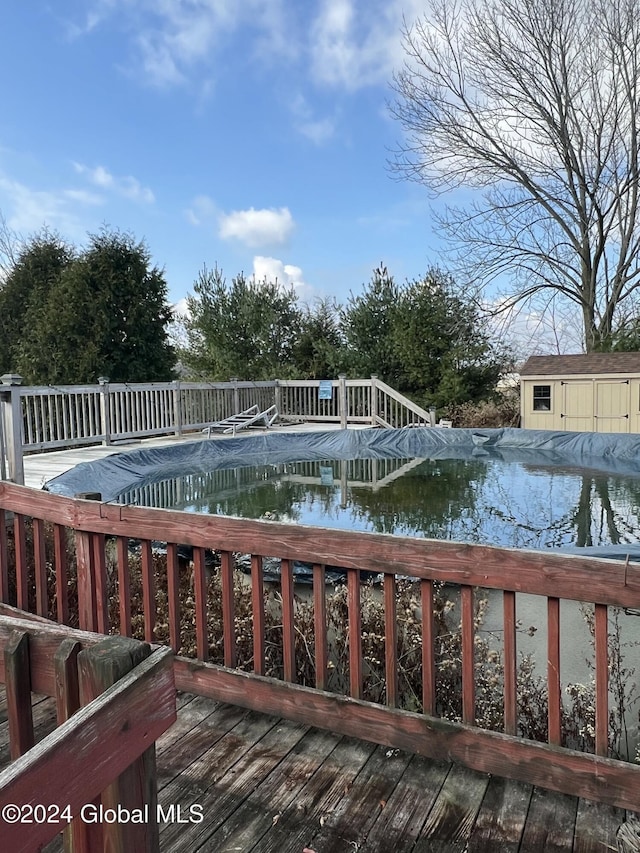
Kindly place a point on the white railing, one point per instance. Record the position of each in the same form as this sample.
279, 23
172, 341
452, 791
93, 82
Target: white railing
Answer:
44, 418
390, 409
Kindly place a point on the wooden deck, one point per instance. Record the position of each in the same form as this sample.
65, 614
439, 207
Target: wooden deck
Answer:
263, 784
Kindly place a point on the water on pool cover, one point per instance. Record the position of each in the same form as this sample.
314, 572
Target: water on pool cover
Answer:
486, 500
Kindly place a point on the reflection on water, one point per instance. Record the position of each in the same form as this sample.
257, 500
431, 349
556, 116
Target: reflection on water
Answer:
486, 500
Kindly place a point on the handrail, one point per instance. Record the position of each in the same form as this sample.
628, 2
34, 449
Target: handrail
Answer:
554, 577
127, 695
407, 413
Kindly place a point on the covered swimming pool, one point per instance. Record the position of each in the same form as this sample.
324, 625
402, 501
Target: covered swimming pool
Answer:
509, 487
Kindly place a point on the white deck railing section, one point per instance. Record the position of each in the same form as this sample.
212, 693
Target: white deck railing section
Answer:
35, 419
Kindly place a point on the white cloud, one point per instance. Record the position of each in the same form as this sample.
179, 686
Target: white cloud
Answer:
127, 186
286, 275
257, 228
354, 43
318, 130
342, 43
174, 37
180, 308
29, 210
202, 209
529, 329
84, 197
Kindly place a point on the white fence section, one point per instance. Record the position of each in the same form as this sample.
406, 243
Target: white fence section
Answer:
36, 419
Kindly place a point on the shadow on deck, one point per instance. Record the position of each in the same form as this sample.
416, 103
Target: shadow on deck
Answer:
235, 781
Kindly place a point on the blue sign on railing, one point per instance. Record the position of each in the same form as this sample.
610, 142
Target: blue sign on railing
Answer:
325, 389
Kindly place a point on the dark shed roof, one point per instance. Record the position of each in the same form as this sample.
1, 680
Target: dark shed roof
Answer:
594, 363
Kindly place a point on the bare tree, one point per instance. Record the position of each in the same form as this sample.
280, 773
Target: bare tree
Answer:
10, 245
535, 106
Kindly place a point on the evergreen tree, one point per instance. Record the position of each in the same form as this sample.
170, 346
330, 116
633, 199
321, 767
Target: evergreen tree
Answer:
246, 329
101, 312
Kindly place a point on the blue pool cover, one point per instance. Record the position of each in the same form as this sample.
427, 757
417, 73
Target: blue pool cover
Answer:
124, 471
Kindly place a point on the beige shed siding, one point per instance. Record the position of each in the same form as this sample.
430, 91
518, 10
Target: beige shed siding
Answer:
583, 403
612, 406
577, 406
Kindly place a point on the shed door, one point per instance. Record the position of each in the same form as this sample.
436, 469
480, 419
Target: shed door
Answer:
577, 409
612, 406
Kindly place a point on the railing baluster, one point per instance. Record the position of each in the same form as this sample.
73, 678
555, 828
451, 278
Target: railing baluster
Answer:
124, 582
391, 640
257, 601
428, 648
62, 575
40, 564
86, 581
148, 591
4, 559
320, 625
30, 410
228, 615
602, 679
173, 595
553, 668
288, 624
510, 700
355, 633
22, 578
102, 592
200, 590
468, 655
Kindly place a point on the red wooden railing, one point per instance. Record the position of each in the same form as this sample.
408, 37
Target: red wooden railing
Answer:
48, 784
102, 534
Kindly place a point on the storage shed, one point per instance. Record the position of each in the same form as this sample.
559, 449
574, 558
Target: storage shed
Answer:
596, 392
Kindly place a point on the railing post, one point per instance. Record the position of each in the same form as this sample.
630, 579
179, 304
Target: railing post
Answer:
135, 790
236, 396
177, 411
12, 422
343, 404
105, 415
432, 416
277, 393
374, 399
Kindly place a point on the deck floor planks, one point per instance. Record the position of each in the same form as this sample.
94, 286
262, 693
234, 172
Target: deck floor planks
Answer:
596, 825
405, 812
348, 825
221, 793
320, 796
331, 794
450, 822
199, 726
264, 806
550, 823
502, 816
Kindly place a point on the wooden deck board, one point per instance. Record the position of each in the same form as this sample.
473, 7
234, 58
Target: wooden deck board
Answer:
502, 816
264, 806
254, 748
271, 786
451, 821
596, 827
318, 799
348, 825
405, 812
550, 823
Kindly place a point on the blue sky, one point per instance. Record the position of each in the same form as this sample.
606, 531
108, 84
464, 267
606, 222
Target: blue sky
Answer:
250, 133
254, 134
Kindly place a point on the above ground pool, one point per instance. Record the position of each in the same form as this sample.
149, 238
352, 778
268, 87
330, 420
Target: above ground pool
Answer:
516, 488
